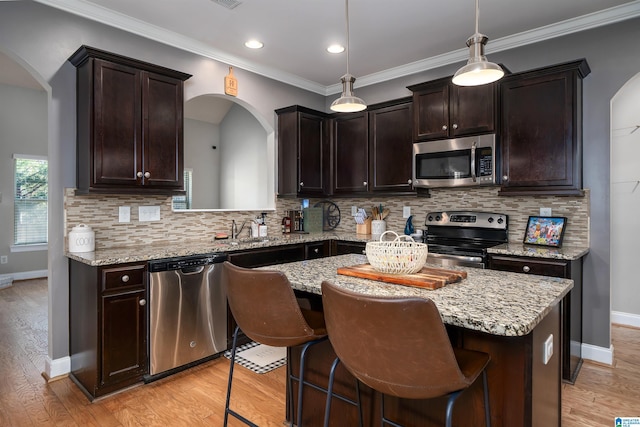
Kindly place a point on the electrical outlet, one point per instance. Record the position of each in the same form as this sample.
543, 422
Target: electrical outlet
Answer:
406, 211
124, 213
548, 349
545, 211
4, 259
354, 210
148, 213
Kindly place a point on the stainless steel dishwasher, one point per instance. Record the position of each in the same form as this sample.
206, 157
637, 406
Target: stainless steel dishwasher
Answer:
187, 311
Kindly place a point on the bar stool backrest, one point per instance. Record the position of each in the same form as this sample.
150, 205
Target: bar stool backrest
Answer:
395, 345
265, 307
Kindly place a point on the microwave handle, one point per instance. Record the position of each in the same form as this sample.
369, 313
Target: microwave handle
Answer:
473, 161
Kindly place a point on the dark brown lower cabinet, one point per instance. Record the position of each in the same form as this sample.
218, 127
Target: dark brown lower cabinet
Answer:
523, 391
342, 247
107, 326
571, 307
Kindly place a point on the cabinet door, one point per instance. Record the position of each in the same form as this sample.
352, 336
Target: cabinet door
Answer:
317, 250
311, 156
431, 112
117, 137
124, 336
351, 157
472, 109
162, 112
391, 148
539, 140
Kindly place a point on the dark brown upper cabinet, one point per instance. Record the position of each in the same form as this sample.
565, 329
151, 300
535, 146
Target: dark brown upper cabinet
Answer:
391, 147
129, 124
303, 152
350, 147
443, 110
541, 131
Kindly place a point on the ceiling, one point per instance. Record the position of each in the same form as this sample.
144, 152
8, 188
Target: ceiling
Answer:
388, 38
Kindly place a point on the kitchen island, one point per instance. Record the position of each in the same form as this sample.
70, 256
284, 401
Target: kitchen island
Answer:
508, 315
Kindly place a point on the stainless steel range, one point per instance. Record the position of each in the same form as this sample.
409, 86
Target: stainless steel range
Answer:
462, 237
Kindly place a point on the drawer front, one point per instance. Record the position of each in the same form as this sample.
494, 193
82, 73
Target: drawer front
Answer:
317, 250
542, 267
120, 277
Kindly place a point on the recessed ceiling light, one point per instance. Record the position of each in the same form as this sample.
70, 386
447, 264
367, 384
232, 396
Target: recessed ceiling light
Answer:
335, 48
254, 44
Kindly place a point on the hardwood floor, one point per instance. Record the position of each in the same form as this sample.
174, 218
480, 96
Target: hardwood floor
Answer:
196, 397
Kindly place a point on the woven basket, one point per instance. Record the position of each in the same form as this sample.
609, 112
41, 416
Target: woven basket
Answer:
397, 256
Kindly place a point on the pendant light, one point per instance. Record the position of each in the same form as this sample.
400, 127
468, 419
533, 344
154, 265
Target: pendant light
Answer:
348, 102
478, 70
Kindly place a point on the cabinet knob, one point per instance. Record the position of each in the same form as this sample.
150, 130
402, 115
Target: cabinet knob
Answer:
142, 302
125, 278
139, 174
444, 127
316, 250
455, 126
147, 174
505, 178
301, 184
364, 183
409, 181
526, 269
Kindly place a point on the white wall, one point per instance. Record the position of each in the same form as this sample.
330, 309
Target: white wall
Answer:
625, 203
199, 138
23, 130
244, 161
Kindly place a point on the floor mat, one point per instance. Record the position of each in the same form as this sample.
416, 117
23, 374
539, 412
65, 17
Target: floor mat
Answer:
259, 358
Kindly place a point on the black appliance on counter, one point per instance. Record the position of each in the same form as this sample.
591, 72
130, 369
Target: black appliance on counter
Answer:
462, 237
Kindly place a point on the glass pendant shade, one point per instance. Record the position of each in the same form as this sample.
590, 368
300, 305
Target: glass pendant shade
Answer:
478, 70
348, 102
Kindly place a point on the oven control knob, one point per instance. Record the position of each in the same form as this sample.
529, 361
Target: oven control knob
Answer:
437, 217
430, 218
490, 220
500, 220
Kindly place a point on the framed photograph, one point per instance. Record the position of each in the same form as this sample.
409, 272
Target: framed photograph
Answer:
545, 231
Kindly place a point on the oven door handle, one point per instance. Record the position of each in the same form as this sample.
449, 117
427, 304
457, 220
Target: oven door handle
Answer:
473, 161
465, 258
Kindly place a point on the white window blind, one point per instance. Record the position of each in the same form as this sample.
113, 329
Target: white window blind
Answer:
184, 201
30, 200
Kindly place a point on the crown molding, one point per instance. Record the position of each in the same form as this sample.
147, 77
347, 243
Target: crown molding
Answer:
126, 23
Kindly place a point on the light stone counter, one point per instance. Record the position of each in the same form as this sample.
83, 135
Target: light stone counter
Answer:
569, 253
126, 254
495, 302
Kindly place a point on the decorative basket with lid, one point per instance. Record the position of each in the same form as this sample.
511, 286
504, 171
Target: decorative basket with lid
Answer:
402, 255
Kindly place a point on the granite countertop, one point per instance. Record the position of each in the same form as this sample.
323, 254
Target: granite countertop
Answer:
495, 302
518, 249
121, 255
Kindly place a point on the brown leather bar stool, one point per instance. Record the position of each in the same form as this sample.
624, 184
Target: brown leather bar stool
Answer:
266, 310
399, 347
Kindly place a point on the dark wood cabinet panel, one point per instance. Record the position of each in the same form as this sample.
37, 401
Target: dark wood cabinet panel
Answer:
541, 131
342, 247
571, 306
317, 250
391, 148
351, 153
443, 110
107, 326
303, 152
267, 256
129, 124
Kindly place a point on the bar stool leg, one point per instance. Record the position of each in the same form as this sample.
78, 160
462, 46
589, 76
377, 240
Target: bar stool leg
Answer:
487, 409
228, 411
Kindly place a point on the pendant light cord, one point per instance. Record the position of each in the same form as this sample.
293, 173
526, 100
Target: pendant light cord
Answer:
347, 15
477, 14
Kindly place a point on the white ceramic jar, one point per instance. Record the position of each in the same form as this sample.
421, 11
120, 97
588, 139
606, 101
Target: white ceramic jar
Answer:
82, 239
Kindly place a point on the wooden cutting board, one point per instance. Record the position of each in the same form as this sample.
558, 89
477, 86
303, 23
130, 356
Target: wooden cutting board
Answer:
427, 278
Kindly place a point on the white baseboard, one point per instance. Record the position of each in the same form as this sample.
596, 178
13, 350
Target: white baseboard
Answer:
24, 275
598, 354
626, 319
57, 367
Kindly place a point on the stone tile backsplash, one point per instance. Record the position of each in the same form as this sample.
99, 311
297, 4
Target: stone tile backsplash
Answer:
100, 212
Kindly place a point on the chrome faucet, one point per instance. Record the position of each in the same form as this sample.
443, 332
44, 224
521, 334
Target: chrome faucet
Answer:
234, 229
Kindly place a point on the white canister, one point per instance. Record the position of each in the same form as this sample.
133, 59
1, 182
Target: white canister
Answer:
378, 226
82, 239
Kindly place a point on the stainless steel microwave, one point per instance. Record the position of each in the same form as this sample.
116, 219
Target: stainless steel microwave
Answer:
458, 162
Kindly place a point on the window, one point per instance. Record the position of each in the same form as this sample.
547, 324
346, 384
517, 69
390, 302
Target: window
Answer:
30, 201
184, 201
